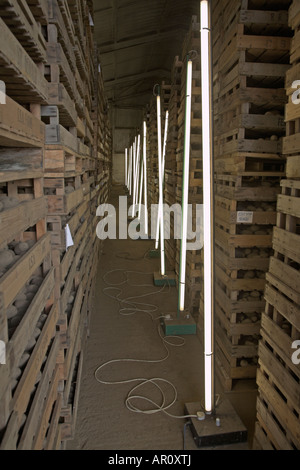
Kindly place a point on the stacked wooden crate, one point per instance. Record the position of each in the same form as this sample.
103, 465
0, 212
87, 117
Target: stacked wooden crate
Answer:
170, 164
253, 55
72, 183
278, 375
30, 402
191, 49
152, 154
102, 142
50, 180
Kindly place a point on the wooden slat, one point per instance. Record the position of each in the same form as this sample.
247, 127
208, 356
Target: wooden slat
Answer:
23, 269
20, 218
19, 64
20, 126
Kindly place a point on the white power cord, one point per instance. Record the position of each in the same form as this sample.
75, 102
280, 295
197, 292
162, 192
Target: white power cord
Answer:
132, 307
144, 381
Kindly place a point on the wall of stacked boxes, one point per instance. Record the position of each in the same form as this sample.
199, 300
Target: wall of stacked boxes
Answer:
55, 167
278, 375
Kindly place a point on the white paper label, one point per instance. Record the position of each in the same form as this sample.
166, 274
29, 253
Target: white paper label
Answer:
244, 217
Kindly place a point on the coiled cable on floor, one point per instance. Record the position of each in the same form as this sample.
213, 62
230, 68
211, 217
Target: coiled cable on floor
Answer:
132, 395
131, 307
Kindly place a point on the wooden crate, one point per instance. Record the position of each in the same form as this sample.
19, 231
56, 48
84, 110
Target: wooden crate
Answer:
253, 58
23, 78
39, 9
25, 28
34, 430
74, 353
19, 127
278, 382
24, 214
59, 70
251, 189
72, 390
28, 321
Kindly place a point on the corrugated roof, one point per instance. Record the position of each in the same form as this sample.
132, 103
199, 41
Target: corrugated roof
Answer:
138, 40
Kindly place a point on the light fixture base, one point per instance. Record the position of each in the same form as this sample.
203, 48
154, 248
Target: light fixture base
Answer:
223, 427
169, 279
154, 253
182, 324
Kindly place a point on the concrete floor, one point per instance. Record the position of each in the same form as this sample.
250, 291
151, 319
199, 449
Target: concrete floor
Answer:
103, 421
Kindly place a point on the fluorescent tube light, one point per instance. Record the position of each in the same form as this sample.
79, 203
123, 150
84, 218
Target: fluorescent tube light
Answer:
207, 203
185, 186
145, 176
126, 168
162, 241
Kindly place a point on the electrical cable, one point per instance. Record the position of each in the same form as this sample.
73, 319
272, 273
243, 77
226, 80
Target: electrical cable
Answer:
126, 255
193, 54
130, 301
131, 307
163, 407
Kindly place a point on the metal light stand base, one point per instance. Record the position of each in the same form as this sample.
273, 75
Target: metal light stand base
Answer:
182, 324
169, 279
154, 253
223, 427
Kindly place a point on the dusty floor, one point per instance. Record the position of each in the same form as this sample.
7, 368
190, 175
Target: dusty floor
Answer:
104, 422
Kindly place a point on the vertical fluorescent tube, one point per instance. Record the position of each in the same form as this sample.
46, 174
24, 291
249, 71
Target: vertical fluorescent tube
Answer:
130, 171
162, 227
136, 174
185, 185
133, 176
137, 169
207, 204
126, 168
145, 178
163, 171
141, 189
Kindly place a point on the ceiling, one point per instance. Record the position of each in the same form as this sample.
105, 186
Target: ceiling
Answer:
138, 41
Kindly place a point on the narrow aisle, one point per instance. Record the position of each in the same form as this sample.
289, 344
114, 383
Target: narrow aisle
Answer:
104, 422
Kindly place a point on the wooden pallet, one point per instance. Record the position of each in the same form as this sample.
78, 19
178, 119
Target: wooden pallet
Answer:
25, 28
278, 382
23, 78
36, 429
24, 211
57, 225
252, 188
19, 127
242, 95
19, 319
39, 9
59, 70
231, 212
78, 323
71, 392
